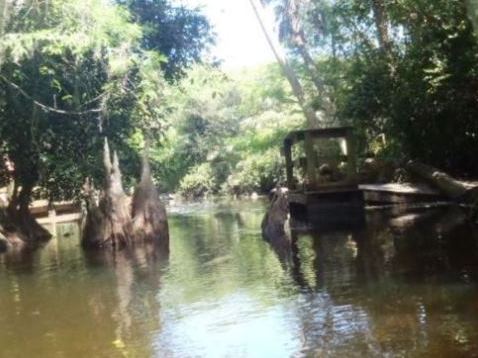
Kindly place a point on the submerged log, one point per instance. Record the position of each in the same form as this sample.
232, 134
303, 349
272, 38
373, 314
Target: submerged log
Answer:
149, 214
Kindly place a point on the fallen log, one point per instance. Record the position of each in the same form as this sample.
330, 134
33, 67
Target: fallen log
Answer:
458, 191
454, 189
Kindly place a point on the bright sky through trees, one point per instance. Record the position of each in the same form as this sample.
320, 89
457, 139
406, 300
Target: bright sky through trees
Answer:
240, 41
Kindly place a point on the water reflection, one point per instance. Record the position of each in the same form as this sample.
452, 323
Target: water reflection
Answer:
402, 285
396, 287
61, 302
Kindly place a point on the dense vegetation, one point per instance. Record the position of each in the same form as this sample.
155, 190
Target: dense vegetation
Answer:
226, 130
402, 72
73, 72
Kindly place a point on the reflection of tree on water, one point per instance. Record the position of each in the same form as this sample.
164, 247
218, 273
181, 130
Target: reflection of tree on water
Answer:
392, 287
137, 271
56, 302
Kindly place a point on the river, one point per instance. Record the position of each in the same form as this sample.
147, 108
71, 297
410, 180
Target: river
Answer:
400, 287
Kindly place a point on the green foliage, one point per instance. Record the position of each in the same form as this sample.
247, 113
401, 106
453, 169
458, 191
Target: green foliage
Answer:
233, 124
63, 91
180, 34
257, 172
416, 90
198, 182
73, 72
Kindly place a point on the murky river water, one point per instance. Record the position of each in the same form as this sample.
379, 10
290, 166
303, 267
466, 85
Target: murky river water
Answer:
401, 287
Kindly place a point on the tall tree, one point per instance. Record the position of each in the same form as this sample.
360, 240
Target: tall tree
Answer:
63, 68
181, 34
312, 120
382, 24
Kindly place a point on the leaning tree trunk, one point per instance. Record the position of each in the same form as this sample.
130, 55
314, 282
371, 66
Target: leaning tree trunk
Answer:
150, 223
297, 89
300, 41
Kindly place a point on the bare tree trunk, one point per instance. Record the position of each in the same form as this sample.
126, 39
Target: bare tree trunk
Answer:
300, 41
382, 23
4, 10
312, 120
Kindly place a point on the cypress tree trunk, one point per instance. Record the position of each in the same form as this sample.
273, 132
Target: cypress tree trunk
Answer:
18, 213
18, 227
150, 222
114, 222
93, 228
115, 203
109, 223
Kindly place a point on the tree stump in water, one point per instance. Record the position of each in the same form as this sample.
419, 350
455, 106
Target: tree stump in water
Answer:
150, 223
274, 224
